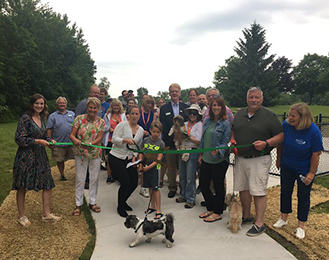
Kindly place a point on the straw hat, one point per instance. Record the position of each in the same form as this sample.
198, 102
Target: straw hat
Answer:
193, 107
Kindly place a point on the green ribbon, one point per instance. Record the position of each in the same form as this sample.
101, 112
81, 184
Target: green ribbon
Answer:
166, 151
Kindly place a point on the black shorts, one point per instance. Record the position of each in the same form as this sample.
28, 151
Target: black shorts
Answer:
151, 179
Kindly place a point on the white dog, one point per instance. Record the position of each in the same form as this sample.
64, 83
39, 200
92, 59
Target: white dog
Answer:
235, 211
163, 226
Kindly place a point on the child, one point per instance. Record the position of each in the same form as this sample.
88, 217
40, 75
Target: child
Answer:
151, 168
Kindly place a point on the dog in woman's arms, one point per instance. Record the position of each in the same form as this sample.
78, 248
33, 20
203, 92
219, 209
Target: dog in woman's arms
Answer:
235, 211
179, 131
150, 229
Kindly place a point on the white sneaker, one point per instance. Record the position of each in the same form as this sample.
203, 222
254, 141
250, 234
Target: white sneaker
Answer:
300, 233
280, 223
144, 192
51, 217
24, 221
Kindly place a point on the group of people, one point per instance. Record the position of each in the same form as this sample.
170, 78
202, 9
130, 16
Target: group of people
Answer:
129, 130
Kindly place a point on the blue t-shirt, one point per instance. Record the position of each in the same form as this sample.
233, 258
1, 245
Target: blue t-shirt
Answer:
298, 146
61, 125
105, 106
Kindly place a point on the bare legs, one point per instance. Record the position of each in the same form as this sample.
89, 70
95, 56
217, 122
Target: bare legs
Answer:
20, 198
260, 206
61, 166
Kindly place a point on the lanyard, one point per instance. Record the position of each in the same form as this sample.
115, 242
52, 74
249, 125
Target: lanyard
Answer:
148, 117
189, 127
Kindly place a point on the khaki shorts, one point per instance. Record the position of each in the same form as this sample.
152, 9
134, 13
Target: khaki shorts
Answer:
61, 154
252, 174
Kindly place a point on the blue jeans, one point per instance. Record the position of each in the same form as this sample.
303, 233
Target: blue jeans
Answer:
287, 181
187, 177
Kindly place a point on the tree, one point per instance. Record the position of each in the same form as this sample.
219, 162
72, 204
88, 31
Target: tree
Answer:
41, 53
140, 92
312, 73
105, 83
284, 73
164, 95
251, 67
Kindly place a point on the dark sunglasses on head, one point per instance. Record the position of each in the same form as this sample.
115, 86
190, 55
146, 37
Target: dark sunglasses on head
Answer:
195, 113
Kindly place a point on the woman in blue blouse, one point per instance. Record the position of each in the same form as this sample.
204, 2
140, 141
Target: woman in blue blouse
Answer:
214, 164
298, 156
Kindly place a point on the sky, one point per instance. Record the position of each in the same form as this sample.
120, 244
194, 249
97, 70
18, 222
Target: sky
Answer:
151, 44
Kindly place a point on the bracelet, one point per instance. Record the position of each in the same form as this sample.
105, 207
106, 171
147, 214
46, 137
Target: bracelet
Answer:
267, 144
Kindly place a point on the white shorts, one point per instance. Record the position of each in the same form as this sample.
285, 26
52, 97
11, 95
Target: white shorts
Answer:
252, 174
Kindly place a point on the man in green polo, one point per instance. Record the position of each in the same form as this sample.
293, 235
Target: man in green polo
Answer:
260, 127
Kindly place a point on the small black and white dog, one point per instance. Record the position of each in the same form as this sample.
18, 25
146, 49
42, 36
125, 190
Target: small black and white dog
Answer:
163, 226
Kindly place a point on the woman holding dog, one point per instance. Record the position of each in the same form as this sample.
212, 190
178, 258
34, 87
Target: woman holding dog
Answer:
127, 135
87, 129
31, 166
188, 162
298, 156
214, 164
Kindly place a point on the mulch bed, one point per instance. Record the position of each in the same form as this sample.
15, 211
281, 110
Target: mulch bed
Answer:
315, 244
65, 239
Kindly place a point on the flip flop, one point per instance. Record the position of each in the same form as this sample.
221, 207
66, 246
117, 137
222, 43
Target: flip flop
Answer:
158, 215
76, 211
150, 210
211, 219
205, 215
95, 208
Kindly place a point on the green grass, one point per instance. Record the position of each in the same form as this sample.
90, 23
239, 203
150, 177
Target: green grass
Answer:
89, 248
279, 110
8, 149
323, 207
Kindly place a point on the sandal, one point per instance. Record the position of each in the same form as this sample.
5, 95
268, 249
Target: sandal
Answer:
158, 215
150, 210
76, 211
206, 214
211, 219
95, 208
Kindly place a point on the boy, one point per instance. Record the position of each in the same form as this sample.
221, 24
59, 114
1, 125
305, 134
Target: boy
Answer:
151, 169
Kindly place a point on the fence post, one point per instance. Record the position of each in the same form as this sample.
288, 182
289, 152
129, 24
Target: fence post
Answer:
320, 118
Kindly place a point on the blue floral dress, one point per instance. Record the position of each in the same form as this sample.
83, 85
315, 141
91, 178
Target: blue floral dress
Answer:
31, 165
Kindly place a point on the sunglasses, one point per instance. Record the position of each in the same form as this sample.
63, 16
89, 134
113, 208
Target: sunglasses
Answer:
194, 113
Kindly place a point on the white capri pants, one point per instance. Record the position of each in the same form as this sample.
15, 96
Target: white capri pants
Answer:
81, 166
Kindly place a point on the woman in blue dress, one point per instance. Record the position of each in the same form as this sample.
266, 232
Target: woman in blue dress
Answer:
31, 166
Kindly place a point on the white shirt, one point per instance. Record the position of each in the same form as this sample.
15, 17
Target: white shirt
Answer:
123, 131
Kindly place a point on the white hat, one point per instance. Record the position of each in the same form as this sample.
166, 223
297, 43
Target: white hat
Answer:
193, 107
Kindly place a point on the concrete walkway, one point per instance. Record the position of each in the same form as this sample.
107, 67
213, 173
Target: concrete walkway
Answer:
194, 239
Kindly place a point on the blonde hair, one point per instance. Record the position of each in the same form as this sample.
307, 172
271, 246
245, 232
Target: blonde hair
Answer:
93, 100
115, 101
306, 117
147, 99
176, 85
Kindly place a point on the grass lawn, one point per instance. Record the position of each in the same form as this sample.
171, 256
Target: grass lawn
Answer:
279, 110
7, 155
8, 149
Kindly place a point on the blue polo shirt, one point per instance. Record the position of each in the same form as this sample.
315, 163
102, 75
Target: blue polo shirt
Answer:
61, 125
